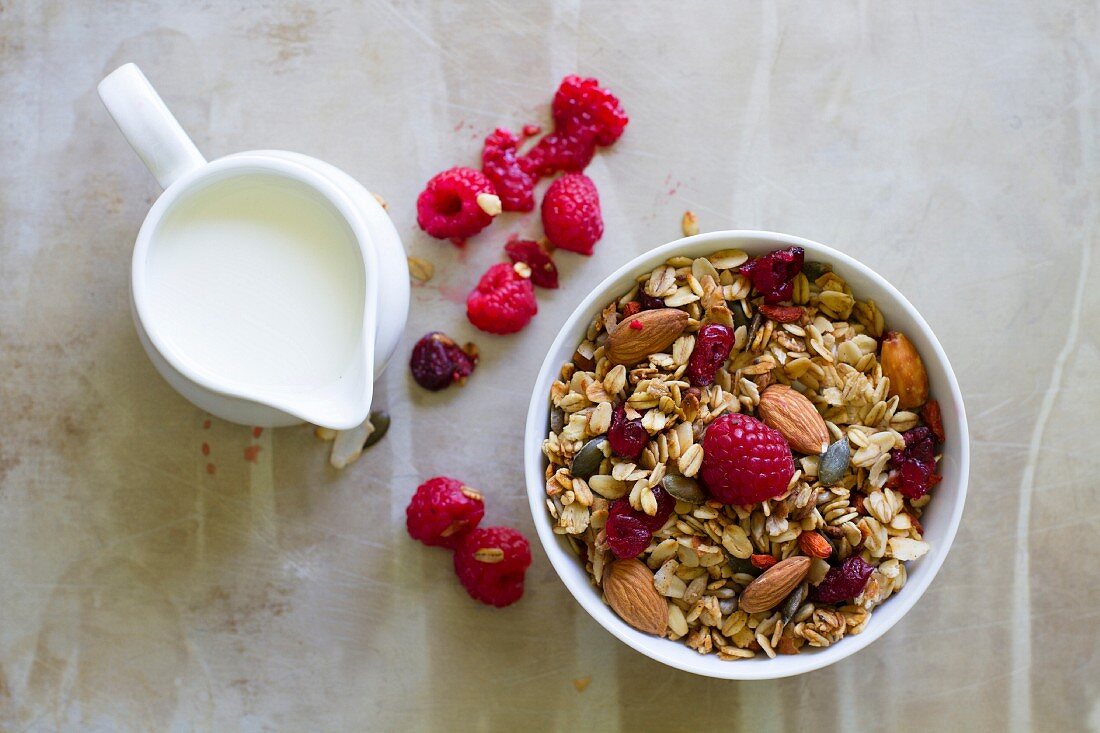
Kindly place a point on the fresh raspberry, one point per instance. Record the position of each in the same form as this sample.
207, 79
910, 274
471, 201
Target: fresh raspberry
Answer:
503, 301
447, 208
627, 535
665, 505
627, 437
437, 362
843, 582
486, 576
581, 104
914, 466
442, 511
569, 151
713, 344
571, 213
544, 272
772, 275
514, 185
744, 460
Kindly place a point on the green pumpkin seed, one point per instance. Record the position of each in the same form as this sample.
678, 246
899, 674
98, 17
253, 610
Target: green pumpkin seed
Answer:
380, 420
588, 459
742, 565
684, 488
793, 601
834, 463
814, 270
740, 317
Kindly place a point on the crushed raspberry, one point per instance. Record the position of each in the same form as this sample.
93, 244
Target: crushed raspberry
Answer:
515, 186
502, 302
783, 313
627, 535
544, 272
914, 466
772, 275
487, 576
930, 413
447, 208
438, 362
442, 511
763, 561
571, 214
713, 344
843, 582
581, 104
744, 460
636, 325
531, 130
627, 437
665, 504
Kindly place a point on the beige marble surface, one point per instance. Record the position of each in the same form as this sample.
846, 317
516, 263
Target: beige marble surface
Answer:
952, 146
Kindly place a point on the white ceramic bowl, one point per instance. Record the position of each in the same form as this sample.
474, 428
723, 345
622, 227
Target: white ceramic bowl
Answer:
940, 519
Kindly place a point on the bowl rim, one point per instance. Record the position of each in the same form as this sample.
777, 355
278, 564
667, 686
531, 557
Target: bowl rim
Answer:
585, 593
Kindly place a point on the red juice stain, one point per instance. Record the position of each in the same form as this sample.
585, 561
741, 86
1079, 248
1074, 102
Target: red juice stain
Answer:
257, 432
206, 449
210, 468
251, 453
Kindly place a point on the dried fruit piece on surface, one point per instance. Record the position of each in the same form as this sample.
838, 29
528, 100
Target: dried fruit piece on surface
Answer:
665, 505
503, 301
437, 362
571, 214
772, 275
442, 511
744, 460
713, 344
544, 272
448, 207
491, 563
627, 535
843, 582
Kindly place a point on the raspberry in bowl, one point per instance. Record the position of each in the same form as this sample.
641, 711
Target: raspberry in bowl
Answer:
802, 464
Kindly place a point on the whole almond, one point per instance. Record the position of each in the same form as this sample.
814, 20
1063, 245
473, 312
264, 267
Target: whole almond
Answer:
796, 418
648, 332
814, 545
774, 584
903, 366
628, 588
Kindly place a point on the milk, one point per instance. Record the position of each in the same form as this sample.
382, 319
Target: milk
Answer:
258, 280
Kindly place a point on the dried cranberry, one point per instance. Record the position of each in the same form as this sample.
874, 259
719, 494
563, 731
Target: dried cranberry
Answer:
627, 437
665, 505
915, 465
627, 535
772, 275
843, 582
713, 344
543, 271
930, 413
437, 362
649, 303
783, 313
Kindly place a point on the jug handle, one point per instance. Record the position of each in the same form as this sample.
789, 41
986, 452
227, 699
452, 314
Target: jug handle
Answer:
147, 125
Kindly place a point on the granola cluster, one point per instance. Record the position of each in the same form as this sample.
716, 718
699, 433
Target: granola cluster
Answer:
843, 509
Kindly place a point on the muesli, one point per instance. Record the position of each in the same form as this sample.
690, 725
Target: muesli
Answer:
740, 453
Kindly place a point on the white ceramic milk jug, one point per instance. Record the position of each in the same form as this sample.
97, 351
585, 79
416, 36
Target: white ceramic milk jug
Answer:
269, 288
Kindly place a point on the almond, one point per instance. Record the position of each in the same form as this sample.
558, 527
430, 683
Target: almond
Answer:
774, 584
628, 588
649, 332
903, 366
796, 418
814, 545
